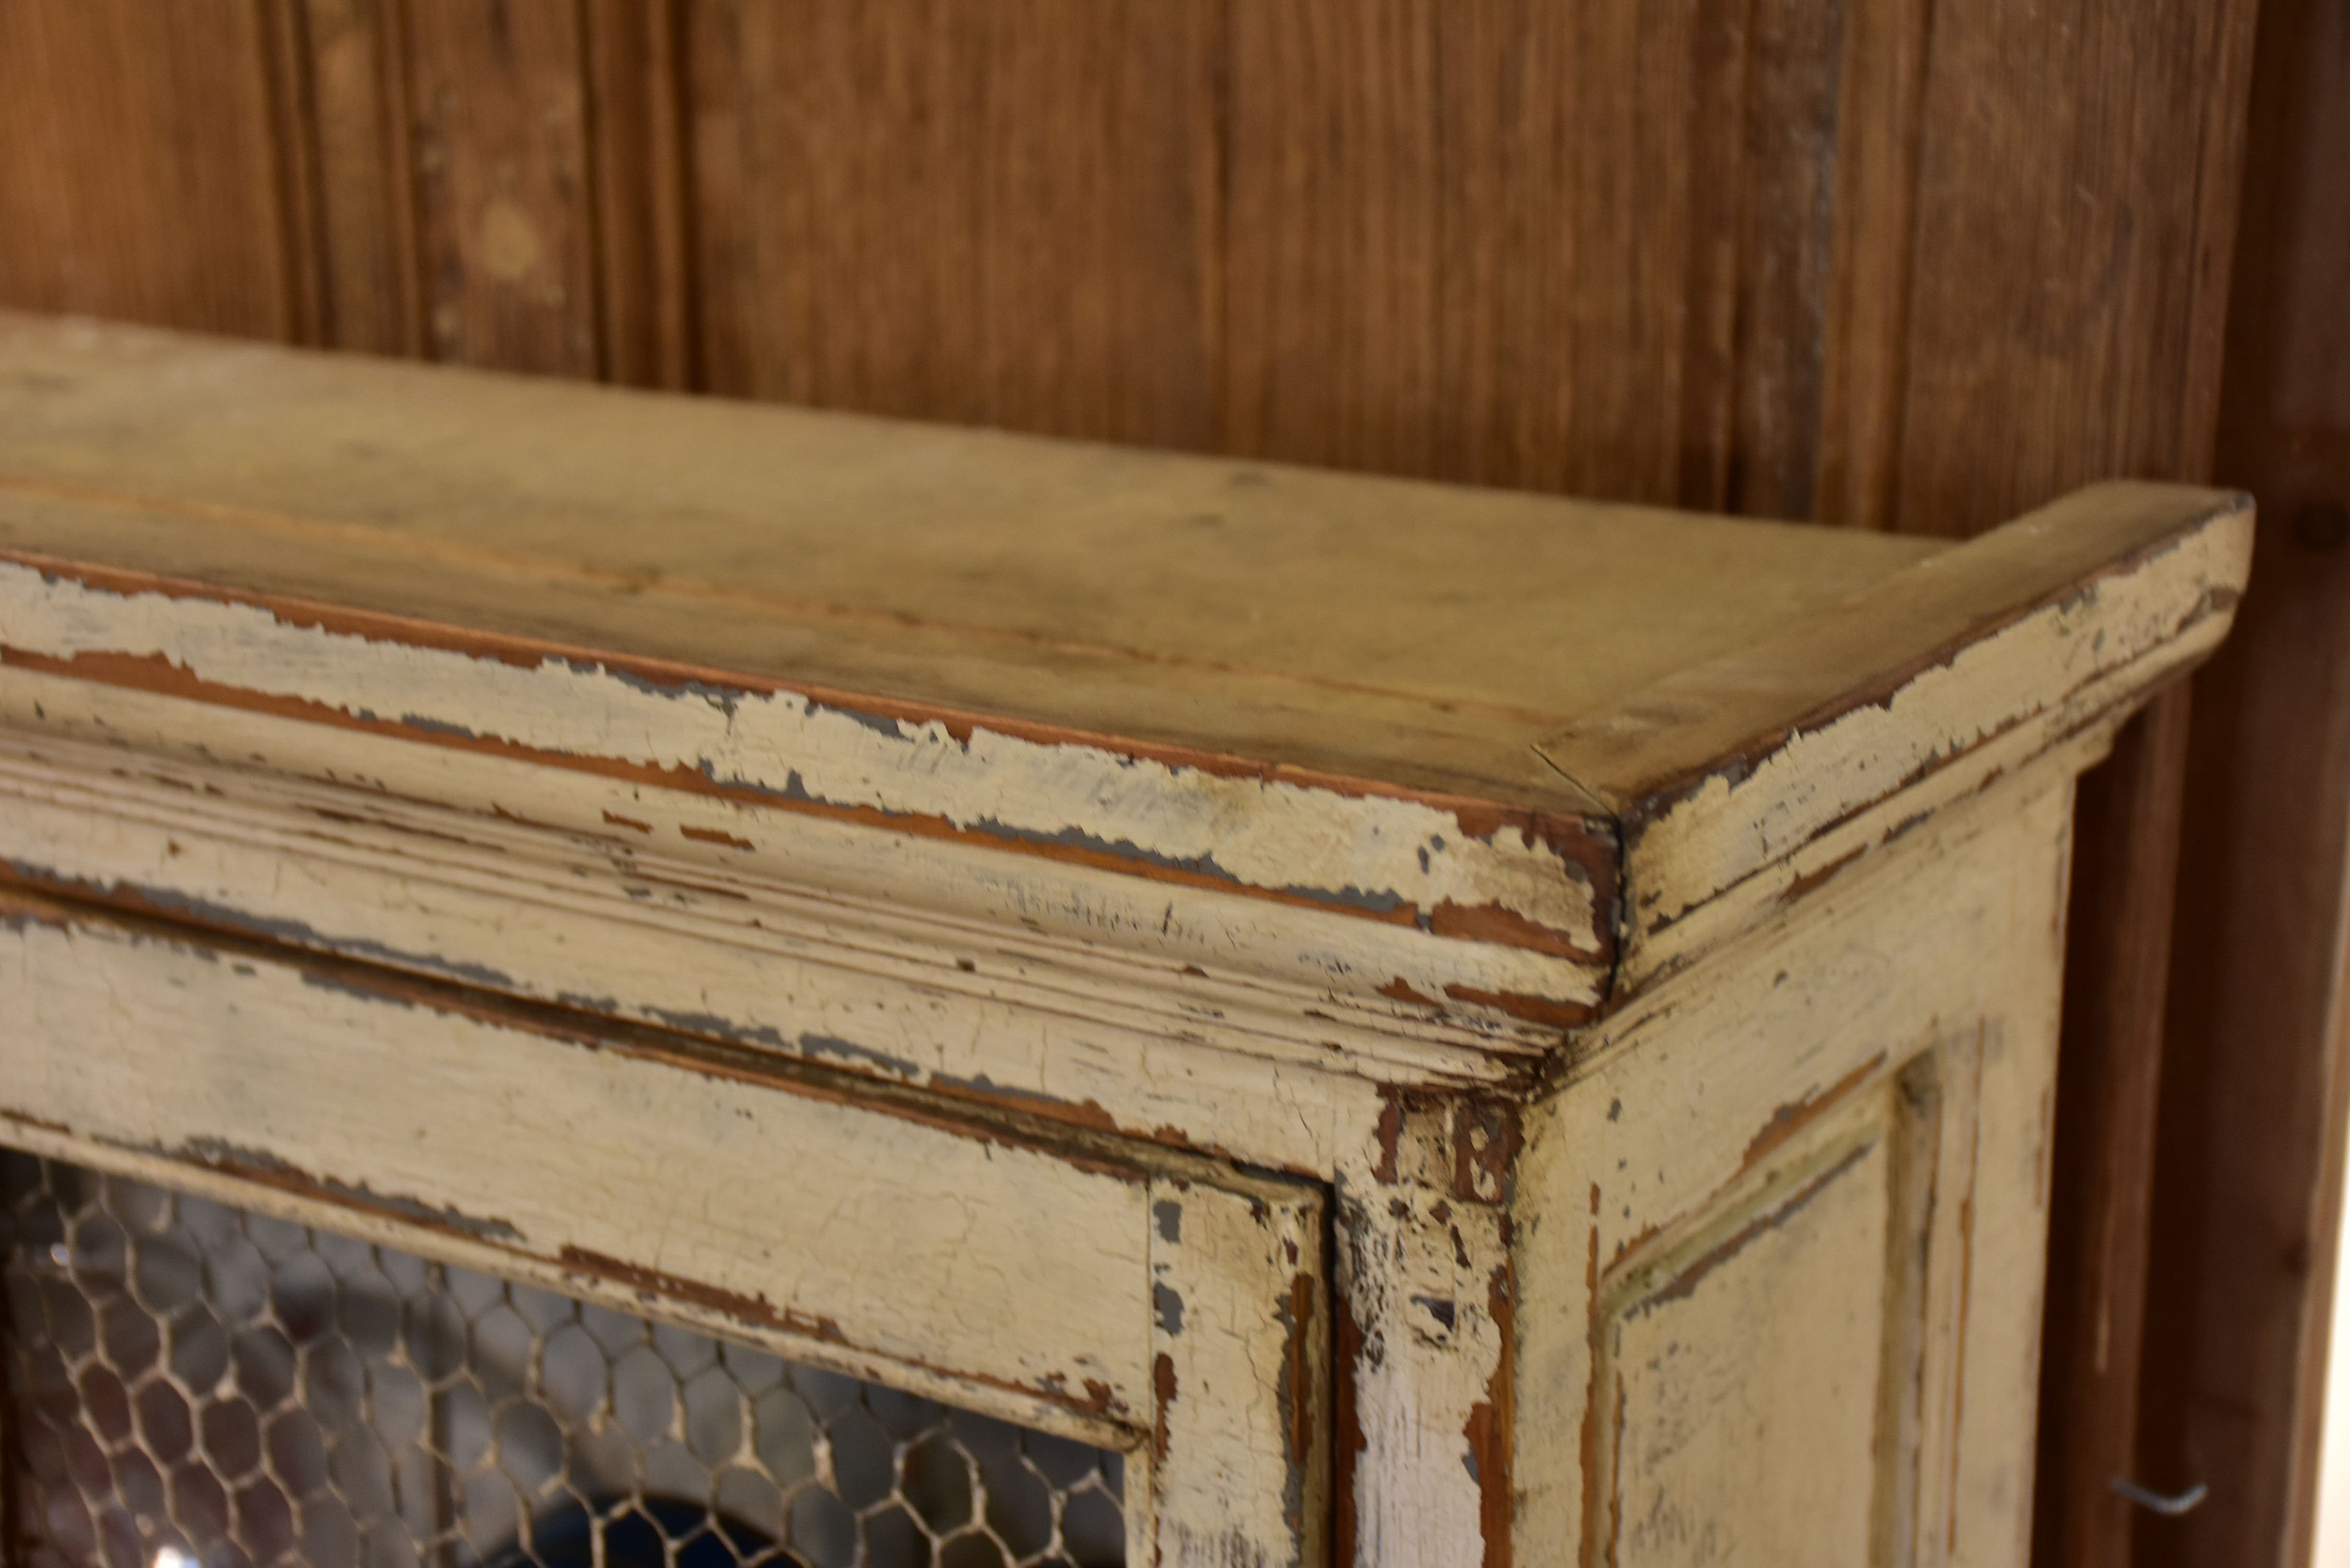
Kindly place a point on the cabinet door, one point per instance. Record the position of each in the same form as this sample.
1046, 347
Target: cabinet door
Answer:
1168, 1308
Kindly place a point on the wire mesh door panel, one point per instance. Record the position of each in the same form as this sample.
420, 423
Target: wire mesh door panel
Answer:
189, 1383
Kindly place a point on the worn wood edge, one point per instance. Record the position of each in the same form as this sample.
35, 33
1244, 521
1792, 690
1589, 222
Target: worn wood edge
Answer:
2079, 731
1176, 1045
289, 1193
1726, 769
1941, 831
123, 762
1239, 1306
1488, 871
78, 806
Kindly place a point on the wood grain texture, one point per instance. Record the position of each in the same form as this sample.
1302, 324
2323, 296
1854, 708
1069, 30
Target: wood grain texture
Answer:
370, 269
637, 116
2072, 212
505, 191
1571, 248
139, 176
711, 634
1494, 241
962, 210
2253, 1111
2253, 1118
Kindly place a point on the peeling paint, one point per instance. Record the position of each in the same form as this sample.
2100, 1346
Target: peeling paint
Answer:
260, 1165
1124, 807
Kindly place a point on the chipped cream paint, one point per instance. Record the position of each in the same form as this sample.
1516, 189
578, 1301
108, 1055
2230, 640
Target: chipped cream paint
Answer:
1383, 854
2034, 681
1749, 1136
892, 1237
878, 1239
907, 1016
1304, 951
1239, 1338
1061, 1025
1425, 1280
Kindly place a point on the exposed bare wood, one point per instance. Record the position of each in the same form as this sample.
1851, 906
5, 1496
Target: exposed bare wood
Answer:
1221, 690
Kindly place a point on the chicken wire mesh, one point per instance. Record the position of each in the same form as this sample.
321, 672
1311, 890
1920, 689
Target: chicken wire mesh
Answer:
190, 1384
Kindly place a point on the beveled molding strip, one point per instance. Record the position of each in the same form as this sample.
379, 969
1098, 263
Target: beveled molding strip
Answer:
1232, 1026
1454, 868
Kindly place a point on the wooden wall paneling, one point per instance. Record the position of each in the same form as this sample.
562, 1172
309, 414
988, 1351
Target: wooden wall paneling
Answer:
2254, 1110
1785, 184
1005, 214
636, 96
505, 188
285, 74
354, 53
139, 172
1440, 263
1863, 352
1582, 248
2074, 189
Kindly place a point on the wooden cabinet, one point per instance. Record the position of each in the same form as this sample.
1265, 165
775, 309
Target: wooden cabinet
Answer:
1448, 1027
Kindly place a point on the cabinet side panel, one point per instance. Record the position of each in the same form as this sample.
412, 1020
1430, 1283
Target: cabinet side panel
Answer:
1755, 1330
1783, 1227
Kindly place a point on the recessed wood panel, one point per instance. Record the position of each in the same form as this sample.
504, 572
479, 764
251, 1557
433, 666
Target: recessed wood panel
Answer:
1739, 1374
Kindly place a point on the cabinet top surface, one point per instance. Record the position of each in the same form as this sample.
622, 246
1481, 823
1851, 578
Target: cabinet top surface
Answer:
1576, 668
1182, 596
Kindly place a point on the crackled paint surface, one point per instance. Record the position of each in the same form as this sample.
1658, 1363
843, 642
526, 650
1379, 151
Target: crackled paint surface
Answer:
1378, 854
1348, 1154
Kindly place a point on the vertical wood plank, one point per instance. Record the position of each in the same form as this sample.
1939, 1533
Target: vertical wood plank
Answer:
1865, 352
506, 195
962, 209
371, 282
2254, 1105
1566, 247
286, 72
138, 175
1792, 136
1436, 268
2063, 261
635, 84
